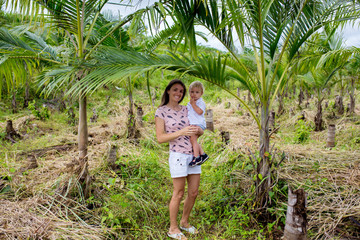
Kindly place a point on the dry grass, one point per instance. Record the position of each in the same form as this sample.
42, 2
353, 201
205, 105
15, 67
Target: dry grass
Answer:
46, 218
331, 178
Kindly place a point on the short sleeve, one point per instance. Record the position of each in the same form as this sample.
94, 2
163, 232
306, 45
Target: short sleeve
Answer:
160, 113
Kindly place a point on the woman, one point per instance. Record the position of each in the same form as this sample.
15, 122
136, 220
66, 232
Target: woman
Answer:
172, 125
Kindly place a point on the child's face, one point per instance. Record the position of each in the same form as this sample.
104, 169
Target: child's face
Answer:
195, 93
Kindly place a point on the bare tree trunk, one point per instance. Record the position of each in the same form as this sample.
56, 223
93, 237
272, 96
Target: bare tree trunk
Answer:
296, 222
263, 178
318, 117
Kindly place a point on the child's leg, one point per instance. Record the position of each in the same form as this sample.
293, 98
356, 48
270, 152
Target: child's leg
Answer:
201, 151
195, 145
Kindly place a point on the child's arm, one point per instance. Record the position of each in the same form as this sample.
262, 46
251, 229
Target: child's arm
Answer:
196, 107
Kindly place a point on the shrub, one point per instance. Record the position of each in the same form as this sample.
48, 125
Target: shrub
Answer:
302, 131
43, 114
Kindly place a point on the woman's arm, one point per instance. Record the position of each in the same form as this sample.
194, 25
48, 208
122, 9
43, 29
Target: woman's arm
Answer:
163, 137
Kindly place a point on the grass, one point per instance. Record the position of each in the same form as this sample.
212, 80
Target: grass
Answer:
131, 201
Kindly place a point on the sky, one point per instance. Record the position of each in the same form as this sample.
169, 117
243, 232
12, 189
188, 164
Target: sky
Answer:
351, 33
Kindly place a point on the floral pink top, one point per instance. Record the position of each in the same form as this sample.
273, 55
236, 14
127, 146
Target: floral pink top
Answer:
174, 121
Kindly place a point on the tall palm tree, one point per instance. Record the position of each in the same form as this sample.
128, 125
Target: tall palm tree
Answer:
275, 30
82, 23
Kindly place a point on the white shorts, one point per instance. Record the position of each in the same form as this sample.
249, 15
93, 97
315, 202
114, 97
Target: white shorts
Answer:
179, 165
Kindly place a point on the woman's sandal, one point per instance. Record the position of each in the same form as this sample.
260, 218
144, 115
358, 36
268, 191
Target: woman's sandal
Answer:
191, 229
179, 235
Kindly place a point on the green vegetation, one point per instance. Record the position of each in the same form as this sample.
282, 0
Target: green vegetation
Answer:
77, 83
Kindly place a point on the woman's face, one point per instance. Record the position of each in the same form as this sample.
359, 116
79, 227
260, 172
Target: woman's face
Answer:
176, 92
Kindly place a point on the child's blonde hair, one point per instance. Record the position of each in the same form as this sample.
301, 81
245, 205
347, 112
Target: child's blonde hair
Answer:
198, 85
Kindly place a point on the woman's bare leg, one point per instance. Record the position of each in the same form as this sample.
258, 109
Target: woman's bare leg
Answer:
178, 193
193, 190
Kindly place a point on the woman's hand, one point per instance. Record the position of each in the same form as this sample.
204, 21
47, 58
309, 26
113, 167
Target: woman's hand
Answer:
189, 130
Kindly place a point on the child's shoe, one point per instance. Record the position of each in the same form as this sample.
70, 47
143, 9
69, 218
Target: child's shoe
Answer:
203, 157
195, 161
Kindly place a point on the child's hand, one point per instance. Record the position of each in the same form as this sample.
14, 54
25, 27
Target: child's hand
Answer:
192, 101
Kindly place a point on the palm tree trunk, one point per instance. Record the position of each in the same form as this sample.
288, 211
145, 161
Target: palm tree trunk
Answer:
281, 105
13, 101
318, 117
263, 180
339, 104
83, 172
301, 96
26, 98
83, 129
352, 97
131, 118
295, 226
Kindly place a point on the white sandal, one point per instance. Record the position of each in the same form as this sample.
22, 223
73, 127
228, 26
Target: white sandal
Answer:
179, 235
190, 229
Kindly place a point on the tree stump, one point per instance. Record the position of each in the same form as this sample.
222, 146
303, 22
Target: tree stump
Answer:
238, 106
291, 112
225, 136
94, 117
271, 120
11, 134
209, 120
296, 222
112, 157
139, 115
331, 136
228, 105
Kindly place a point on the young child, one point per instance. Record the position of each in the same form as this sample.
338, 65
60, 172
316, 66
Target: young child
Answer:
196, 111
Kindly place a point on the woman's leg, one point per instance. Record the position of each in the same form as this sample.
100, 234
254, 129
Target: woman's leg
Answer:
178, 193
193, 189
195, 145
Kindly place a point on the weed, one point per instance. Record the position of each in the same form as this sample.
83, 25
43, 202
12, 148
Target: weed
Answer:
302, 131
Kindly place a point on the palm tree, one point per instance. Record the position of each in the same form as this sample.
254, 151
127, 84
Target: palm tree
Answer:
275, 30
82, 23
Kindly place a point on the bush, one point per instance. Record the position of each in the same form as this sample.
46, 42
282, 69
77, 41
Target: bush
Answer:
302, 131
43, 114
